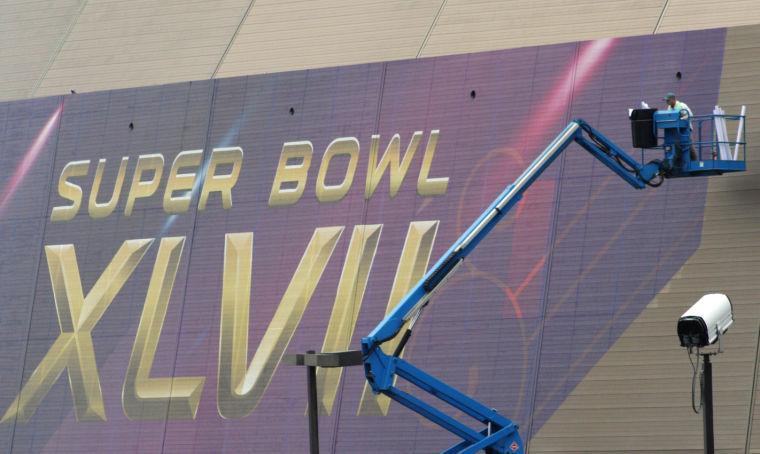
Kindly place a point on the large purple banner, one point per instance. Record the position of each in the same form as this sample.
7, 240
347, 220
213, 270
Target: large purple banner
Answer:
164, 247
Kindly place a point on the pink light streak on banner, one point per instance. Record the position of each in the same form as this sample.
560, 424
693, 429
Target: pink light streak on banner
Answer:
591, 56
554, 105
31, 155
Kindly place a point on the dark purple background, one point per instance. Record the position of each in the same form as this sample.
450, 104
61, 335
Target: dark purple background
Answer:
537, 305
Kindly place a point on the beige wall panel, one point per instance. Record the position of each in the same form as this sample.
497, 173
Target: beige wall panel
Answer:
31, 33
280, 36
125, 44
696, 14
478, 25
637, 398
114, 44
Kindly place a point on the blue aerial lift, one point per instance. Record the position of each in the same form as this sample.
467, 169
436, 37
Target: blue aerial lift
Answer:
499, 434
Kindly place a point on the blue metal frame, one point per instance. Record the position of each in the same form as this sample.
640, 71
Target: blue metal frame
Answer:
500, 434
677, 141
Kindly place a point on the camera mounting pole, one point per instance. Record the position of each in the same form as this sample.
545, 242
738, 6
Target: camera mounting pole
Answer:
706, 388
707, 403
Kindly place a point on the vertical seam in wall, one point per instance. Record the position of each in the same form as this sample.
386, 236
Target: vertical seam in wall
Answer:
58, 49
545, 294
430, 29
748, 441
232, 38
206, 157
662, 15
338, 407
40, 254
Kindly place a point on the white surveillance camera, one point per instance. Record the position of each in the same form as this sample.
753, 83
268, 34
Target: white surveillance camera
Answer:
707, 319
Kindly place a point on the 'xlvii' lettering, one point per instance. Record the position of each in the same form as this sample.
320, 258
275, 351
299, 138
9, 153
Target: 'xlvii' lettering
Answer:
241, 381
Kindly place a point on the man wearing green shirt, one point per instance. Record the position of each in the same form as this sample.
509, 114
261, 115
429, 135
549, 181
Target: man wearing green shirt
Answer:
674, 104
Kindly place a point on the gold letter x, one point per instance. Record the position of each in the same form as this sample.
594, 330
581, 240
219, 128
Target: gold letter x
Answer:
77, 316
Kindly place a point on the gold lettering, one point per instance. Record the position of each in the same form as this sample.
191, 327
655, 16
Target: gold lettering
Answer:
222, 184
239, 390
143, 397
345, 146
411, 268
141, 189
292, 174
348, 301
77, 316
70, 191
181, 181
430, 186
101, 210
390, 160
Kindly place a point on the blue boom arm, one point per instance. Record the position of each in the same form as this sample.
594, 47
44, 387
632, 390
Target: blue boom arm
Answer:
500, 435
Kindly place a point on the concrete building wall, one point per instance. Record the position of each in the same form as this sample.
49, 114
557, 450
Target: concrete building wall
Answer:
637, 398
52, 47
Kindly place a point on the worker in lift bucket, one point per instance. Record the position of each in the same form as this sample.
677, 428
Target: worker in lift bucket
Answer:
674, 104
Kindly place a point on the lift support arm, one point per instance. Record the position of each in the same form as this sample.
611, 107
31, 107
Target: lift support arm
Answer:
500, 435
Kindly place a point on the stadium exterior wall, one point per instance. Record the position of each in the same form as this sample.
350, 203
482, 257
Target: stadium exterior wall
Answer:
586, 279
